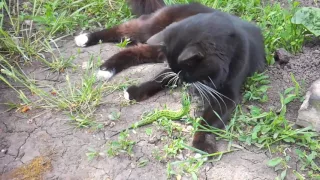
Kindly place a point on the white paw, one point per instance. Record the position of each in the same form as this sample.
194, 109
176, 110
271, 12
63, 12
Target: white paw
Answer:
81, 40
126, 95
198, 156
105, 75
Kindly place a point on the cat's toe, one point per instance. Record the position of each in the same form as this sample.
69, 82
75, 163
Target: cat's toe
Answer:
104, 75
134, 93
126, 95
81, 40
198, 156
205, 142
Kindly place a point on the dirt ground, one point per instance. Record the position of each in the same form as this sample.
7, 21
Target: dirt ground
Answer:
48, 133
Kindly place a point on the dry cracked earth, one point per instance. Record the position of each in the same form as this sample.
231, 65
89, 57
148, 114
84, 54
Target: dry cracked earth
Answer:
50, 134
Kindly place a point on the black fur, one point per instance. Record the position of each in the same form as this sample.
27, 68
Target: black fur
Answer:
202, 45
142, 7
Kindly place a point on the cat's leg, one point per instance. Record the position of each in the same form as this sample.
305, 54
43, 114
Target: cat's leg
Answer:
206, 141
150, 88
138, 30
128, 57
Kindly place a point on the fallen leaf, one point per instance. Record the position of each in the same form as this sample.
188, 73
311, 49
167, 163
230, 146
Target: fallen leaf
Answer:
53, 93
25, 109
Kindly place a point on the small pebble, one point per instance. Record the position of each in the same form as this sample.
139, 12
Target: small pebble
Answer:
112, 124
4, 151
180, 157
197, 155
28, 22
133, 165
86, 65
189, 128
107, 123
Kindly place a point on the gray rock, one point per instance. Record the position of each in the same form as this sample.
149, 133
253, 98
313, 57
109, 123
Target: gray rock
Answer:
309, 112
282, 56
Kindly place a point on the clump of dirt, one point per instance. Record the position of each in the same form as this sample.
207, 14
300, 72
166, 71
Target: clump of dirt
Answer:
305, 68
34, 170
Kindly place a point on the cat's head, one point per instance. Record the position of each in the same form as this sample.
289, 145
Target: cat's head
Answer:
197, 49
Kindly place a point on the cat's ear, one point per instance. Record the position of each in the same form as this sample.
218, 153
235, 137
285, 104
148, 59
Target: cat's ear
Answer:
157, 39
192, 53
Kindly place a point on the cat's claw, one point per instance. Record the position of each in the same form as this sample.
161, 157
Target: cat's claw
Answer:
126, 95
81, 40
105, 75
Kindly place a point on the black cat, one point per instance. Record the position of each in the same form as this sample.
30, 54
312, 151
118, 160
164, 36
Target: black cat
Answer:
209, 49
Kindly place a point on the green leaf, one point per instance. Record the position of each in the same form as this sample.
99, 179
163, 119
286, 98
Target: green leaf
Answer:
265, 129
149, 131
288, 90
289, 98
289, 139
248, 140
309, 17
255, 131
275, 161
255, 111
275, 135
194, 176
299, 153
283, 174
264, 88
298, 175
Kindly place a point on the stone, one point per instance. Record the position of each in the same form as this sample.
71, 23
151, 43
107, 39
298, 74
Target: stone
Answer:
309, 112
282, 56
4, 151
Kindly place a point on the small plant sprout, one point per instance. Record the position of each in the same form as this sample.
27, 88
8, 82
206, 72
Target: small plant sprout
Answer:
114, 115
124, 43
256, 88
123, 145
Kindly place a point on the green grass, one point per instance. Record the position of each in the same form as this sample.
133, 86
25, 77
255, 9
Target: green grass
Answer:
122, 145
256, 88
21, 43
270, 129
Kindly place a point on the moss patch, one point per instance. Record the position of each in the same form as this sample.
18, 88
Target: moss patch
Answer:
34, 170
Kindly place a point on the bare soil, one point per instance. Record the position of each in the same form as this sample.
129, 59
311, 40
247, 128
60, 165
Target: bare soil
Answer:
49, 133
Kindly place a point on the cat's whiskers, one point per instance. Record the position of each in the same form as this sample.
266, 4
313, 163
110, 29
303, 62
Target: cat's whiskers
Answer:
202, 93
177, 78
213, 94
197, 88
166, 75
174, 79
206, 91
212, 82
220, 93
200, 90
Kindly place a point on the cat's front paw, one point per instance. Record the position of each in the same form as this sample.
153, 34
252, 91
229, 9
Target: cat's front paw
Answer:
134, 93
105, 74
205, 142
82, 40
